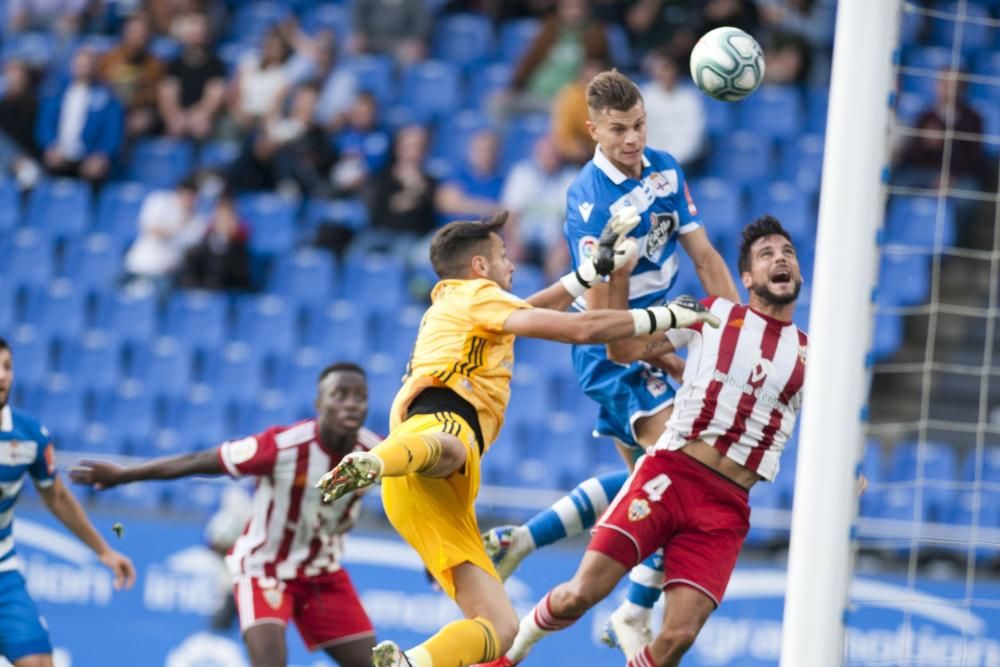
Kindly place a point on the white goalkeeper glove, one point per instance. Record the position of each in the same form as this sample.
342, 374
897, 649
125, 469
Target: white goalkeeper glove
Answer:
684, 311
614, 250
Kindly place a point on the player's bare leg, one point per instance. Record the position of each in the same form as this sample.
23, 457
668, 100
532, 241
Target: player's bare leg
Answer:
36, 660
687, 610
357, 653
266, 645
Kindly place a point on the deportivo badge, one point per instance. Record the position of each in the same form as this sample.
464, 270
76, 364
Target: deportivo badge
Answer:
638, 509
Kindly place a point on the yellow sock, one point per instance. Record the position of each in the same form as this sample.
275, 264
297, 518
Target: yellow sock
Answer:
406, 453
465, 642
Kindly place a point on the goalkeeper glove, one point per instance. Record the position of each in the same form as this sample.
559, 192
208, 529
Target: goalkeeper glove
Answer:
614, 250
684, 311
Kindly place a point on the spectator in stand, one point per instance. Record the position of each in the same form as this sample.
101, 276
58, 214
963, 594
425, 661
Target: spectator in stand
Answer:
567, 39
290, 152
261, 83
400, 198
134, 75
64, 17
19, 154
362, 146
570, 115
315, 60
473, 191
192, 93
169, 224
788, 60
675, 114
535, 196
221, 259
679, 23
399, 28
79, 127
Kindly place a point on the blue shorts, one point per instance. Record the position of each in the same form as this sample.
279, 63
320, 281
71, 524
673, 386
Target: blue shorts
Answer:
625, 393
22, 630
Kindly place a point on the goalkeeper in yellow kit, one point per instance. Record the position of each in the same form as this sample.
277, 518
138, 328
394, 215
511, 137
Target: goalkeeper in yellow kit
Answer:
450, 410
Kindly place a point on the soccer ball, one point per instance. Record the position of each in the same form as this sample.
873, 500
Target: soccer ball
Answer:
727, 64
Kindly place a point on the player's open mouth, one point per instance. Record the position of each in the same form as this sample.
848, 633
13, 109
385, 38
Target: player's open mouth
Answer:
781, 277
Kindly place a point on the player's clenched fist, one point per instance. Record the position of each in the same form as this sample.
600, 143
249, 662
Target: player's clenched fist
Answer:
613, 246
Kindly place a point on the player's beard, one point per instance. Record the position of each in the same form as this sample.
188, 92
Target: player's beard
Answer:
767, 295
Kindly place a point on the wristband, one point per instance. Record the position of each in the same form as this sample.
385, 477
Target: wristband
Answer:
574, 283
648, 320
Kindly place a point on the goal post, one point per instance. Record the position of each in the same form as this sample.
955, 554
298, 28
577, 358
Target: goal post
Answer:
850, 215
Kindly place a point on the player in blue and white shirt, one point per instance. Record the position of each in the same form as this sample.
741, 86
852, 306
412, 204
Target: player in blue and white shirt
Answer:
26, 449
635, 399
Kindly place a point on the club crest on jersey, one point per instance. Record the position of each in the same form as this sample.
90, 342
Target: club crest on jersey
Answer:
638, 509
661, 227
587, 247
802, 353
761, 369
663, 183
273, 597
655, 386
241, 451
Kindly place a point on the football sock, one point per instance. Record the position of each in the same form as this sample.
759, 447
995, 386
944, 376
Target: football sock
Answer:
465, 642
644, 587
576, 511
407, 453
642, 659
535, 625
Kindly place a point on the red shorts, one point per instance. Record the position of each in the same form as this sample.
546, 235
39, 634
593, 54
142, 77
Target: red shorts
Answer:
326, 609
699, 517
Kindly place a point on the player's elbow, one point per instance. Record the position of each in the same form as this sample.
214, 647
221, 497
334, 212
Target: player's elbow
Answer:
588, 329
620, 353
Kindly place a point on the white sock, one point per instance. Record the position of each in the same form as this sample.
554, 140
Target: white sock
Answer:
633, 611
528, 634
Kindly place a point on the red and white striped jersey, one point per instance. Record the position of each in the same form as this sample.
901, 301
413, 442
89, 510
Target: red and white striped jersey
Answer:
742, 386
291, 533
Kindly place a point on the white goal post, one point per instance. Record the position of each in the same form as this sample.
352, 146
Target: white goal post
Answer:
850, 214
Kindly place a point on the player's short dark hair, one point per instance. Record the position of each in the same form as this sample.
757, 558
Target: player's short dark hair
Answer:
341, 367
765, 225
612, 90
4, 345
457, 242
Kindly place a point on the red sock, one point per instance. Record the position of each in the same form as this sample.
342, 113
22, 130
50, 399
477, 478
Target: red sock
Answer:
546, 620
642, 659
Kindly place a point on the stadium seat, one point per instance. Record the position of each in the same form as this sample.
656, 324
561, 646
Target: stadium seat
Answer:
719, 206
989, 110
37, 48
348, 213
340, 330
31, 353
60, 406
218, 155
165, 48
10, 205
519, 139
98, 438
431, 89
515, 37
143, 496
199, 418
790, 205
296, 375
904, 278
887, 337
161, 163
272, 222
118, 209
9, 310
765, 496
773, 111
271, 408
396, 334
802, 162
938, 472
374, 74
375, 281
93, 264
94, 356
931, 60
989, 467
920, 221
464, 40
485, 82
333, 17
987, 66
165, 365
451, 140
977, 32
976, 507
251, 21
528, 279
873, 462
304, 277
719, 117
198, 317
267, 322
743, 158
619, 47
28, 258
130, 312
817, 102
234, 371
59, 308
130, 411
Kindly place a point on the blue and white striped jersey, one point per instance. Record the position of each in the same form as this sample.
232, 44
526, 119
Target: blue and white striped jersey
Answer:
664, 204
25, 447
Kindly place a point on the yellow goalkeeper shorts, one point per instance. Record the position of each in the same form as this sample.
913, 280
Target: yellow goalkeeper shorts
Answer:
438, 516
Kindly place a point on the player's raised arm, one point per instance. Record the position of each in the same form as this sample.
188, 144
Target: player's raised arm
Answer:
712, 270
103, 475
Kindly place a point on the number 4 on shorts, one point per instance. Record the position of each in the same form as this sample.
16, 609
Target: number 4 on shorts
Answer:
656, 487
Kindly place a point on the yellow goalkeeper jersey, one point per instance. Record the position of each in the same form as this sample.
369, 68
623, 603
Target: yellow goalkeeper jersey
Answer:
462, 345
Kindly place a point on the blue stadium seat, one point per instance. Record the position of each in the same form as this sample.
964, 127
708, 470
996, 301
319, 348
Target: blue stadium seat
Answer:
97, 438
198, 317
719, 206
304, 277
37, 48
60, 406
931, 60
94, 356
333, 17
963, 512
765, 496
376, 281
118, 209
743, 158
802, 162
519, 139
976, 31
252, 21
396, 335
904, 278
347, 213
94, 263
619, 47
195, 495
986, 64
340, 330
59, 308
916, 221
938, 468
374, 74
199, 418
463, 39
773, 111
515, 37
267, 322
989, 110
271, 408
161, 163
61, 205
989, 467
9, 311
28, 258
10, 205
719, 117
32, 356
888, 335
165, 48
451, 140
272, 222
485, 82
129, 411
528, 279
431, 89
164, 365
897, 502
218, 155
529, 400
788, 204
873, 462
296, 375
234, 371
817, 102
131, 313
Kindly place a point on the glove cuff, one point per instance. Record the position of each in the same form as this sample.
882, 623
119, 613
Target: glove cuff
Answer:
574, 283
648, 320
